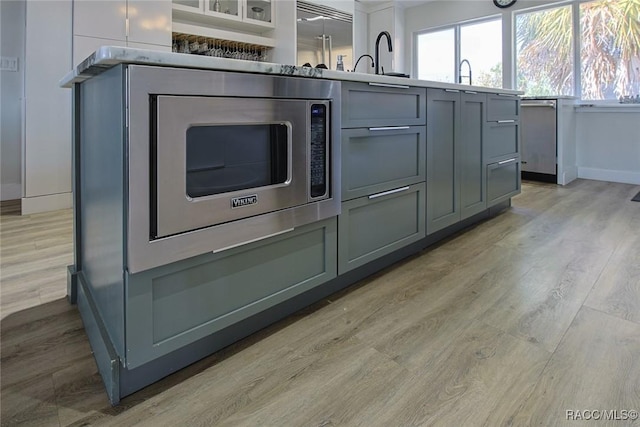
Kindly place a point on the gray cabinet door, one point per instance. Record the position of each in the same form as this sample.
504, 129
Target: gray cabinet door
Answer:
501, 139
503, 107
472, 172
443, 171
174, 305
503, 180
374, 104
376, 225
375, 160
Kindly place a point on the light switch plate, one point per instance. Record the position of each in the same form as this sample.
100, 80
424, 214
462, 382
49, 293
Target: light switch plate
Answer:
8, 63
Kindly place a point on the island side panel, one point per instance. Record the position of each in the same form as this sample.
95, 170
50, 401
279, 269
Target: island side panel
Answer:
102, 198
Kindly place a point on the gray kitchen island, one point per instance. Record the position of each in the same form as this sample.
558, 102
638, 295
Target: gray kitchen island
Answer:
213, 197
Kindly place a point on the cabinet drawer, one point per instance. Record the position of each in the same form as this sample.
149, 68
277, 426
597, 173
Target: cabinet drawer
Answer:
368, 105
503, 180
501, 139
373, 226
380, 160
503, 107
174, 305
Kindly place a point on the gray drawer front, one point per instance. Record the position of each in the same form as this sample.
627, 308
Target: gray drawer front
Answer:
503, 180
372, 227
174, 305
503, 107
364, 105
375, 161
501, 139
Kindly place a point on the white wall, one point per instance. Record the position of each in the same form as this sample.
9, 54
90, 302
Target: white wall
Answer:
12, 27
47, 138
608, 144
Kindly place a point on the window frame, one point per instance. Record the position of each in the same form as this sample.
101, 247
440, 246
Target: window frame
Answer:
456, 41
576, 43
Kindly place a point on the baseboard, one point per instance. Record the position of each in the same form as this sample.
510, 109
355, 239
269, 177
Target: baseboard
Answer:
50, 202
11, 191
625, 177
570, 174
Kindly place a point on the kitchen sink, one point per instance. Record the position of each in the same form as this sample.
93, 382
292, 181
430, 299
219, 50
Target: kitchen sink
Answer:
393, 74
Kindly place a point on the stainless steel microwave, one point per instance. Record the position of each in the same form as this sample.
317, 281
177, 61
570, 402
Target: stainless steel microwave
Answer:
220, 159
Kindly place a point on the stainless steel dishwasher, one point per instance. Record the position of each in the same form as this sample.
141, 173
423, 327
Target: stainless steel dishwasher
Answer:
539, 138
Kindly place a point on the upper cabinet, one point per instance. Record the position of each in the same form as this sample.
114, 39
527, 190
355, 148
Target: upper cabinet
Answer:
134, 23
149, 22
251, 15
389, 19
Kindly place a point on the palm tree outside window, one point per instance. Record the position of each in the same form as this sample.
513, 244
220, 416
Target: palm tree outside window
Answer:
609, 50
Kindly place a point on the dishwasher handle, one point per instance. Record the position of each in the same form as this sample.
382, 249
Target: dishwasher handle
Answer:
538, 104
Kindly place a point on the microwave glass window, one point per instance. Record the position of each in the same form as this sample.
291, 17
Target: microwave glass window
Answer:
225, 158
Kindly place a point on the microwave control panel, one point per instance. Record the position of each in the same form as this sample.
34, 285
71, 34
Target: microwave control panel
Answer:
318, 151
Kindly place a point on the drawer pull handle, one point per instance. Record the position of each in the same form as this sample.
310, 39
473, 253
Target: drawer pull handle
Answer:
386, 193
506, 121
452, 90
506, 161
471, 92
389, 128
506, 94
226, 248
389, 85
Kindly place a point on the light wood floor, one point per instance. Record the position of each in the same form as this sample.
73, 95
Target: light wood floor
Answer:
513, 322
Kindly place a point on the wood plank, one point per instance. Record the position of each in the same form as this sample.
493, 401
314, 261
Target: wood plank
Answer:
29, 403
617, 291
596, 366
480, 376
541, 305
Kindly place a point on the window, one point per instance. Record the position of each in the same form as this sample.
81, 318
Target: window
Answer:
440, 52
544, 52
610, 49
436, 56
481, 45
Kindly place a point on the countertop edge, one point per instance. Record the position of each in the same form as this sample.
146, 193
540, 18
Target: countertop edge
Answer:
586, 107
106, 57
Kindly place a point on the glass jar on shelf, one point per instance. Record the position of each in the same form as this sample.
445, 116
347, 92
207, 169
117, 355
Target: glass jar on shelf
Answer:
259, 10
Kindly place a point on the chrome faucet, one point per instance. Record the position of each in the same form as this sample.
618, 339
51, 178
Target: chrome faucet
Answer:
362, 56
460, 71
377, 60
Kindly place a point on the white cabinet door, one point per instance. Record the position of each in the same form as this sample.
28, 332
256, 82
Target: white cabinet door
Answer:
382, 20
259, 11
390, 19
147, 46
228, 9
104, 19
149, 21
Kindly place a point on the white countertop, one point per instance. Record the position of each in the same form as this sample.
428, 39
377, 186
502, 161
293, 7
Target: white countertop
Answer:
550, 97
109, 56
606, 107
